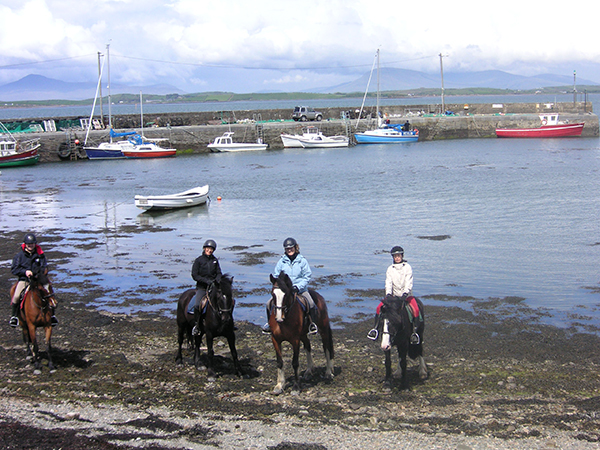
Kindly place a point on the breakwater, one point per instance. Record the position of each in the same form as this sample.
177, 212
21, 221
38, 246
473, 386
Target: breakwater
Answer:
192, 132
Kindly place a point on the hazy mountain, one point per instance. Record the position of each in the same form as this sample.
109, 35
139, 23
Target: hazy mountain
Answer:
402, 79
38, 87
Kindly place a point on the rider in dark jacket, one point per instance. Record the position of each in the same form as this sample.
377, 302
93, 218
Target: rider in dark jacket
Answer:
205, 270
29, 260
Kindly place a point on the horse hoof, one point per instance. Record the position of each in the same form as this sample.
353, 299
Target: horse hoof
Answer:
37, 372
211, 379
277, 391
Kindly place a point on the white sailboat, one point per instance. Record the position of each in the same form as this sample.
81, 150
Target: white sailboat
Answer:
384, 133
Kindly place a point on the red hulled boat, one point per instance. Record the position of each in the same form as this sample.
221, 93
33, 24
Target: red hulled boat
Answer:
550, 127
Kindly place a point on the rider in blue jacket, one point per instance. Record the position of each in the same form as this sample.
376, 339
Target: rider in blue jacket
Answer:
297, 268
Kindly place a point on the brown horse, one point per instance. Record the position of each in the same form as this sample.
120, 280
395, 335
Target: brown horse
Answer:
287, 323
36, 312
217, 321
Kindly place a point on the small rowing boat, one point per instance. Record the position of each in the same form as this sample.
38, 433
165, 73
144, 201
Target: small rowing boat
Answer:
185, 199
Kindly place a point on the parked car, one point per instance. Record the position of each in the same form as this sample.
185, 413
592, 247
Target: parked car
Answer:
304, 113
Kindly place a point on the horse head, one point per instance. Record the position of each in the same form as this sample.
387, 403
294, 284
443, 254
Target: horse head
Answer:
391, 313
220, 295
282, 294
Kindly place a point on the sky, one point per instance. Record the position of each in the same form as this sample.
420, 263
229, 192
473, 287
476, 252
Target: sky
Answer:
282, 45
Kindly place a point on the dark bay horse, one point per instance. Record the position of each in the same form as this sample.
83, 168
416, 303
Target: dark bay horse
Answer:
218, 321
397, 329
36, 312
287, 323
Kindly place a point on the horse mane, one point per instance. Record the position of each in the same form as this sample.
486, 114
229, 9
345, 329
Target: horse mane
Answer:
393, 308
284, 282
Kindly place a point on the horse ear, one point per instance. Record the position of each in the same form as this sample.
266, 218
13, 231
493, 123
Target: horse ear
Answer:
273, 279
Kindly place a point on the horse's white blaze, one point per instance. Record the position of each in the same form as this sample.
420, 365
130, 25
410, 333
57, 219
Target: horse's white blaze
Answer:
385, 336
279, 304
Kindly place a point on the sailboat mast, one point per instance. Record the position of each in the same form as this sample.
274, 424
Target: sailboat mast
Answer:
108, 73
377, 109
141, 115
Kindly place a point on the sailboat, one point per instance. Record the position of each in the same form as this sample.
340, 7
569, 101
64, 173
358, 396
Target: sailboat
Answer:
133, 146
384, 133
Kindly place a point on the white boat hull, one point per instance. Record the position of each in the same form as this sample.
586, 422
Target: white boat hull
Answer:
191, 197
236, 147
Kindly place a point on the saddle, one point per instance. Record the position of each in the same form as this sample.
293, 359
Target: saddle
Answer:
413, 309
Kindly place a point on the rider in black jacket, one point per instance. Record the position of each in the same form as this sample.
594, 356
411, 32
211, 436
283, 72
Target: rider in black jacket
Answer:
206, 270
29, 260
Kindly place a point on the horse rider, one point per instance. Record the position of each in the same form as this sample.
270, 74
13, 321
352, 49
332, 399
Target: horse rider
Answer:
30, 256
398, 283
205, 271
297, 268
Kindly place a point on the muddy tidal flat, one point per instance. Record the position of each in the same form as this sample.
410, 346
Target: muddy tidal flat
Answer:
498, 379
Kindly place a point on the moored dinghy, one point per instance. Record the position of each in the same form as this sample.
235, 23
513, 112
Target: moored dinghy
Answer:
185, 199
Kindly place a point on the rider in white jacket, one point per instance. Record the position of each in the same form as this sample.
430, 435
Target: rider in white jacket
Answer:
398, 282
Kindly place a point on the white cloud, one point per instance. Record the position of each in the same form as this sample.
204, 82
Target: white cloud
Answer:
340, 37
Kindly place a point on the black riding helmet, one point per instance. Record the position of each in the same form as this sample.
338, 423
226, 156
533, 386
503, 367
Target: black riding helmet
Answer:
210, 243
397, 250
29, 238
289, 243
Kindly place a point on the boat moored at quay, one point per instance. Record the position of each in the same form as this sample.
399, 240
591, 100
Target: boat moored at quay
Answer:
192, 132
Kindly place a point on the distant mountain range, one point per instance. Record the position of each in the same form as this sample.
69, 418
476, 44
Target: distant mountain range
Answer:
38, 87
401, 80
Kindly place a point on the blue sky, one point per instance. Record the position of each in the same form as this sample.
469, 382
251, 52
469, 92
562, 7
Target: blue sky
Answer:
265, 45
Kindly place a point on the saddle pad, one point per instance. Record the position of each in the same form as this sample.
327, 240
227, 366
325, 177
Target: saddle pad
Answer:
413, 306
192, 305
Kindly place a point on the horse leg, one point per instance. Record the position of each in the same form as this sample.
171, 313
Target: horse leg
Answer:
402, 350
36, 350
48, 330
327, 338
388, 369
211, 353
278, 389
197, 343
26, 340
180, 337
310, 365
296, 363
422, 367
234, 355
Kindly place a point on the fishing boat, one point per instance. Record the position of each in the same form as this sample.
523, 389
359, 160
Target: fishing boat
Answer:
225, 144
14, 153
549, 127
312, 137
185, 199
384, 133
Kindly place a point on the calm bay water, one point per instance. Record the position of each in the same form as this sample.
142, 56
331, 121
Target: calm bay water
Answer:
521, 217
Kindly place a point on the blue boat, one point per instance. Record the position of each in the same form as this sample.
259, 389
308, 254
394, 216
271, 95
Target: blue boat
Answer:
389, 134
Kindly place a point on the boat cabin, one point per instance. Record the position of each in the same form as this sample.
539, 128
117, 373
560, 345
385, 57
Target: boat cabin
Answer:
549, 119
226, 139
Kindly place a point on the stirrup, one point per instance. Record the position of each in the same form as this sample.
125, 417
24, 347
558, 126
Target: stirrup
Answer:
415, 339
14, 321
53, 321
312, 328
195, 331
266, 328
373, 334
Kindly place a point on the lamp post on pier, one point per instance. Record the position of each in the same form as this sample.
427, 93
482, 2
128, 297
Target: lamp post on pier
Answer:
442, 72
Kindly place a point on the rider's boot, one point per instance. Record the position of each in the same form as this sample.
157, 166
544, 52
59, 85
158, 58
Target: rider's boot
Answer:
373, 334
312, 321
415, 339
14, 319
266, 328
53, 319
196, 329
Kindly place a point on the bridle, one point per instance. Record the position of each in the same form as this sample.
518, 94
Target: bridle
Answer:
219, 294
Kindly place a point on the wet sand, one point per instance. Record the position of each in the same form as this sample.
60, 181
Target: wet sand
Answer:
498, 378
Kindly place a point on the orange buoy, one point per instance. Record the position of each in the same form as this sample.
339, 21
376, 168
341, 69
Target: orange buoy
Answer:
219, 198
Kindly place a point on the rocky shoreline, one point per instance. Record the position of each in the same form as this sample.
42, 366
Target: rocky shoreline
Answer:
498, 378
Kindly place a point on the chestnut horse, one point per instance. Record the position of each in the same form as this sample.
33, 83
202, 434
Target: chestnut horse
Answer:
397, 329
36, 312
287, 323
217, 321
